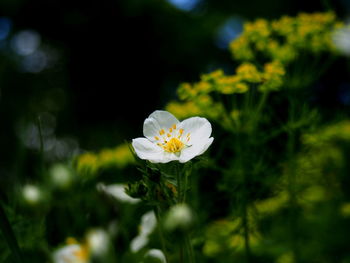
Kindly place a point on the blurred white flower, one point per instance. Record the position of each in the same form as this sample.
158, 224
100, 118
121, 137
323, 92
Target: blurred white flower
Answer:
341, 39
118, 192
61, 175
167, 139
98, 242
148, 224
156, 255
138, 243
73, 253
31, 194
179, 216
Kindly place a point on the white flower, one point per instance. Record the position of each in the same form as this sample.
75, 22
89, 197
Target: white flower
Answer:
148, 224
74, 253
61, 176
156, 254
341, 39
167, 139
118, 192
98, 242
179, 216
31, 194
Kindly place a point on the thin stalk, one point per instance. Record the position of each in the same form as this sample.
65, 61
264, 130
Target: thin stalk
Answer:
41, 149
261, 104
292, 183
186, 245
179, 185
189, 248
160, 233
181, 252
245, 220
40, 137
10, 236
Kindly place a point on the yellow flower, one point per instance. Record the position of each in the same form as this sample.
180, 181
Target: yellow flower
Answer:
248, 72
87, 163
183, 110
186, 91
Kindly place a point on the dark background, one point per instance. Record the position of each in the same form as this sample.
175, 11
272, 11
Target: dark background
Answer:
113, 63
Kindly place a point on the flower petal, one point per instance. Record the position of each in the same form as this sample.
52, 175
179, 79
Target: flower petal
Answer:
195, 150
156, 121
198, 128
147, 150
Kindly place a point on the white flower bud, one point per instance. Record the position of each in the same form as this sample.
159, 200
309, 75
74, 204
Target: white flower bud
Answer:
31, 194
179, 217
61, 176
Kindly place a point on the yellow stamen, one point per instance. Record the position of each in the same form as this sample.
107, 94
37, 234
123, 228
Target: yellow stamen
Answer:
161, 132
71, 240
170, 129
156, 137
169, 135
174, 145
82, 253
174, 127
181, 131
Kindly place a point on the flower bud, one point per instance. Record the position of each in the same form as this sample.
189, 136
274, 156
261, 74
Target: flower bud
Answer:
179, 217
155, 256
61, 176
31, 194
98, 242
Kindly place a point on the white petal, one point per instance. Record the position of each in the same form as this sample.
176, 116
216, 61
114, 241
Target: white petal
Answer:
118, 192
68, 254
148, 223
147, 150
138, 243
199, 129
156, 254
156, 121
195, 150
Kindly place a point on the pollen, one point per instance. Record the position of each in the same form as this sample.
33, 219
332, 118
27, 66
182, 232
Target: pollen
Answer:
173, 146
161, 132
169, 135
174, 126
156, 138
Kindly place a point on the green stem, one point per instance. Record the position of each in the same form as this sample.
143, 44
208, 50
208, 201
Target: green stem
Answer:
41, 149
256, 115
10, 236
189, 248
292, 183
245, 217
182, 184
160, 232
181, 259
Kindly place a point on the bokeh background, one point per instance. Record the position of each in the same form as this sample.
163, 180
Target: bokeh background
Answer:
95, 69
89, 72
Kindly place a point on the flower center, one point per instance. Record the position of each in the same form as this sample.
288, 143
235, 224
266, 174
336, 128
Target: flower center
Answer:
172, 141
174, 145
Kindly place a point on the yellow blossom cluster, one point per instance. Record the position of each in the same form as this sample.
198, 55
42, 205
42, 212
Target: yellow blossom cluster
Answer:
90, 163
286, 38
201, 98
266, 49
